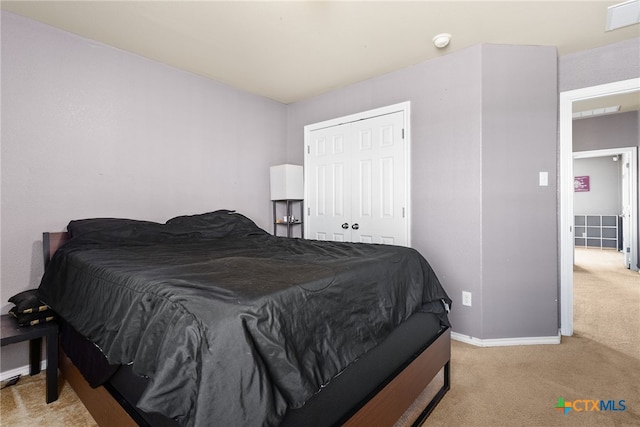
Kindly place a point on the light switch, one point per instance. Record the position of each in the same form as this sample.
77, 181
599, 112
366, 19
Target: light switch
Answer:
544, 179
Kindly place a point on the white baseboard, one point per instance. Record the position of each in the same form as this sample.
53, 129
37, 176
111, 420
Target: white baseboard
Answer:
22, 371
501, 342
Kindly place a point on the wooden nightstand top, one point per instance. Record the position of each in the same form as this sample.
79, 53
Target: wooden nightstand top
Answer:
12, 333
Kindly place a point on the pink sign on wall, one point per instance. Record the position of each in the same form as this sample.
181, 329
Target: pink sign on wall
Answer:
581, 183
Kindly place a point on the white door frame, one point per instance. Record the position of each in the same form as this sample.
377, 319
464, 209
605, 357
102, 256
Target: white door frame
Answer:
565, 186
633, 184
404, 107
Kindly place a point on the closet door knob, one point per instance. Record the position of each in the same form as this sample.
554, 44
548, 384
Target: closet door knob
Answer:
345, 225
355, 226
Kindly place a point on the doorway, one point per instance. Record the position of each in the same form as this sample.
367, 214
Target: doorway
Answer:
617, 228
566, 232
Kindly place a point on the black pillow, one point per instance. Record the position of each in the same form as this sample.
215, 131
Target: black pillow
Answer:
30, 319
217, 224
28, 302
79, 227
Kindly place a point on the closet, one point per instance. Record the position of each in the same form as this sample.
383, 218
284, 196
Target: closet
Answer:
357, 177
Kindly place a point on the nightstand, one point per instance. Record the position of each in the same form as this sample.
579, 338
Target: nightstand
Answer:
13, 333
288, 221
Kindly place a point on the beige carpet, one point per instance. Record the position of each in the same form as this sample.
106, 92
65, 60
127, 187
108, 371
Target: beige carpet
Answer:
23, 404
500, 386
606, 300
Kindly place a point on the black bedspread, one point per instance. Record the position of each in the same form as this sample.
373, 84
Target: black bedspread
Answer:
231, 324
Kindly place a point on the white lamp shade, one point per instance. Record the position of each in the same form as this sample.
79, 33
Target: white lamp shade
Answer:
286, 182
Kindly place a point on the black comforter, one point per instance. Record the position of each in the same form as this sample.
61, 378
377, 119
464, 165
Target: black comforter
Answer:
231, 324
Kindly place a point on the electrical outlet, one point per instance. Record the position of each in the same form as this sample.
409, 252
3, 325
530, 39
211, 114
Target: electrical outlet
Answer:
466, 298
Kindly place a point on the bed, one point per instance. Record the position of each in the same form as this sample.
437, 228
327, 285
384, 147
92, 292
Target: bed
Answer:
209, 320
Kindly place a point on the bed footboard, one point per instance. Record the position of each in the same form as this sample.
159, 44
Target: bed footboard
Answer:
386, 408
102, 406
390, 404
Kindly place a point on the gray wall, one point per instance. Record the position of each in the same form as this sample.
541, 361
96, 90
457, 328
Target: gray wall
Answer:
607, 64
605, 181
599, 133
604, 132
519, 128
468, 125
89, 130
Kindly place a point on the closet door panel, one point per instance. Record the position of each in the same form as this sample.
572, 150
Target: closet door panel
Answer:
378, 181
329, 195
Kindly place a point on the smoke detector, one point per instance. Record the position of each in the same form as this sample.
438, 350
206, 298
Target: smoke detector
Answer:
442, 40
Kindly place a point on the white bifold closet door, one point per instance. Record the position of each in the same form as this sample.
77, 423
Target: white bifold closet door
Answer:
357, 181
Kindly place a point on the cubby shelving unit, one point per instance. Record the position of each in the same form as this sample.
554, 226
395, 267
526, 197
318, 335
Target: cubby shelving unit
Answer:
596, 231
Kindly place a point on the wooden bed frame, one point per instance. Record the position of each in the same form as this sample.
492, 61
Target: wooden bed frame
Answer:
393, 400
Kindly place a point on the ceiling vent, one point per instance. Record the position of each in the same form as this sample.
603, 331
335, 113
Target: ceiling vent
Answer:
597, 112
623, 14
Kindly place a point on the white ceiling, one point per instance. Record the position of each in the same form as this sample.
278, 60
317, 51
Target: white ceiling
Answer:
292, 50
